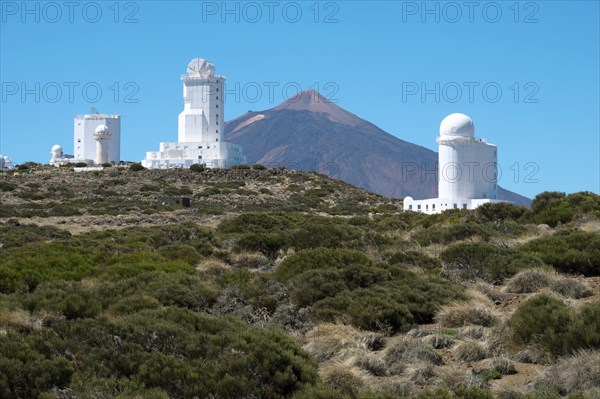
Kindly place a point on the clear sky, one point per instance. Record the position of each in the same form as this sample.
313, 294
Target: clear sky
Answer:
526, 72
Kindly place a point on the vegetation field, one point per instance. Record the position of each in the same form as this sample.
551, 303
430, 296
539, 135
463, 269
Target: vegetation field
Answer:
270, 283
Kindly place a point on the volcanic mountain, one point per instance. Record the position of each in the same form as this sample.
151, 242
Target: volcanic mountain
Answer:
308, 132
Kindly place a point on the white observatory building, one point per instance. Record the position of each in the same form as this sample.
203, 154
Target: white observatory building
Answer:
102, 137
201, 130
467, 169
84, 141
58, 158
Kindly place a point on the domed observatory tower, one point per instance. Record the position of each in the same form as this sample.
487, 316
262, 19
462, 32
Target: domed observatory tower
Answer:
467, 169
102, 137
56, 155
201, 129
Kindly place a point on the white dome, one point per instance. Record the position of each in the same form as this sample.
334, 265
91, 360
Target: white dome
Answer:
459, 125
56, 148
200, 68
102, 128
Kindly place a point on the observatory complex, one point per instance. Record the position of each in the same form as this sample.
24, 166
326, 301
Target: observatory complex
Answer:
201, 130
467, 169
96, 139
85, 141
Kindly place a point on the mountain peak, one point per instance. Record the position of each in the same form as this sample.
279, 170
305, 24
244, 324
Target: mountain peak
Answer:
312, 100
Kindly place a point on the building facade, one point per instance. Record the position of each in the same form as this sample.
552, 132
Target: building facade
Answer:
200, 125
84, 141
467, 169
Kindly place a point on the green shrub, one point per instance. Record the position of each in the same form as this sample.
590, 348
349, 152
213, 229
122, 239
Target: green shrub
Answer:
320, 258
499, 212
414, 258
584, 332
35, 263
136, 167
488, 261
197, 167
129, 265
445, 235
7, 186
32, 364
133, 304
553, 208
571, 251
189, 354
240, 166
14, 234
267, 243
329, 234
542, 320
258, 166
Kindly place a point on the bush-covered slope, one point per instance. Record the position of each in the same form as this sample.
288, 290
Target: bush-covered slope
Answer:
281, 284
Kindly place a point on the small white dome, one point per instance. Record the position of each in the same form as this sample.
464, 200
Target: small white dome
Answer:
459, 125
56, 148
102, 128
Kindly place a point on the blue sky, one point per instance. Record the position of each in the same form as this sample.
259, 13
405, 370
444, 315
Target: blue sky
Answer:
526, 72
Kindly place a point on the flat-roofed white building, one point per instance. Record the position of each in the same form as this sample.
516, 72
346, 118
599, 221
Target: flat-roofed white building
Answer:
201, 125
467, 169
84, 141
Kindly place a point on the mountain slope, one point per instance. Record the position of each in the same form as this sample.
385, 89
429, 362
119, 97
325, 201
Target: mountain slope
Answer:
308, 132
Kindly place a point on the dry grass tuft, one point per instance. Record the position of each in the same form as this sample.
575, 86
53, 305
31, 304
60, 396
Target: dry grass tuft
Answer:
213, 266
534, 280
17, 320
420, 331
372, 363
503, 365
327, 341
453, 377
421, 373
407, 350
469, 350
492, 292
575, 373
251, 260
397, 386
477, 296
460, 314
347, 380
528, 281
508, 393
571, 287
439, 340
472, 332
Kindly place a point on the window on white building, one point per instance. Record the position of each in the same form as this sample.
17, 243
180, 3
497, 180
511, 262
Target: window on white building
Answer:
418, 206
455, 206
410, 207
464, 206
